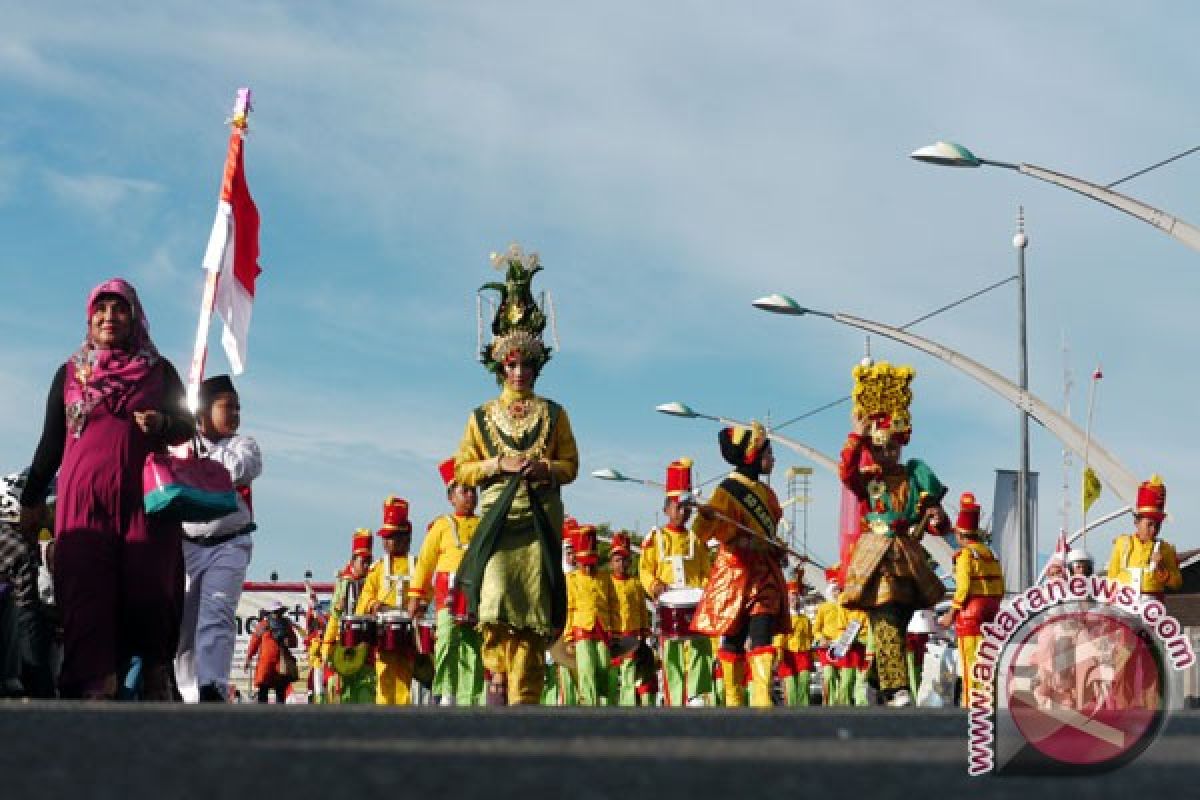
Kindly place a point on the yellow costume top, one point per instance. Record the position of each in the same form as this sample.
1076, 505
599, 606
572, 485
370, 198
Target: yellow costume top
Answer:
800, 639
1129, 553
518, 424
380, 587
832, 620
977, 573
660, 550
631, 614
446, 540
591, 599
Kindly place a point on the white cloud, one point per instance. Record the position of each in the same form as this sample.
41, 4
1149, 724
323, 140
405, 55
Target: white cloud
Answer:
102, 196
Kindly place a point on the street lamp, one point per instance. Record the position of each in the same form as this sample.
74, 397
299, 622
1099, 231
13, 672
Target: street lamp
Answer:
684, 411
949, 154
1113, 472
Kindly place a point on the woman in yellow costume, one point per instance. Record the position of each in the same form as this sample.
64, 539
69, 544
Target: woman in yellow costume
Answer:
518, 449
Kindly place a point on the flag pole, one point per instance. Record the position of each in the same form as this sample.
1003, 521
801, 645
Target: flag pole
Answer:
212, 265
1087, 442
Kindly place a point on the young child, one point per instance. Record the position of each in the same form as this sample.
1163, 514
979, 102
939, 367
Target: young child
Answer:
217, 553
631, 621
590, 607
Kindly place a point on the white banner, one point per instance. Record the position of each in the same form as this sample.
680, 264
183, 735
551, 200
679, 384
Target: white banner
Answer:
1006, 526
256, 597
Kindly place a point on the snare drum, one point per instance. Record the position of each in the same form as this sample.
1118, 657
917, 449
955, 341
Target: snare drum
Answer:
425, 637
676, 607
395, 632
357, 629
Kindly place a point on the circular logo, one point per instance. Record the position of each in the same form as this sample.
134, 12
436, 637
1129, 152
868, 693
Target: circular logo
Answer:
1086, 688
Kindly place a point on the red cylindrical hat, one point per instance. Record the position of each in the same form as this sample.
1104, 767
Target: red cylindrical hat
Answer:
620, 545
395, 517
1151, 499
446, 470
968, 514
834, 574
570, 525
585, 545
679, 477
361, 543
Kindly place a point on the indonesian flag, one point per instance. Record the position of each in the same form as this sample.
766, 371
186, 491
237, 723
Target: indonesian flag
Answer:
233, 254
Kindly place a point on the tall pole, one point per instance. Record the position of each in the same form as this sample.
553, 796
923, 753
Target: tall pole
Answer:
1025, 529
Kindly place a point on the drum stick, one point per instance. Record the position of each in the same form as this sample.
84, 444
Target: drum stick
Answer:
688, 499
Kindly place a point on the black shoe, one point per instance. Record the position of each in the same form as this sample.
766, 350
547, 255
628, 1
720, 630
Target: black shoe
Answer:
209, 693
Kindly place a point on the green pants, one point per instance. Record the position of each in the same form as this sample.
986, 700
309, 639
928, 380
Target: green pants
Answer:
624, 683
687, 668
853, 686
457, 665
594, 673
831, 689
359, 688
795, 688
559, 687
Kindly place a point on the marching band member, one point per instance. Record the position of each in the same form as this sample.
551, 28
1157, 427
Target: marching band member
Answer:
518, 450
674, 557
354, 676
383, 591
631, 624
591, 604
1141, 559
795, 651
888, 575
746, 594
978, 589
828, 625
458, 669
858, 659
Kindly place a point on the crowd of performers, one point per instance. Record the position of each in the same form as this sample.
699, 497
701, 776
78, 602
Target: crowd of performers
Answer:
507, 602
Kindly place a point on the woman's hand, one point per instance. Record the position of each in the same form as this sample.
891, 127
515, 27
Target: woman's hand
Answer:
150, 422
537, 470
511, 465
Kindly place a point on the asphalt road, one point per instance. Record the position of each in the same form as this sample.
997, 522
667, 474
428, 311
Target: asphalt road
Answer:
64, 750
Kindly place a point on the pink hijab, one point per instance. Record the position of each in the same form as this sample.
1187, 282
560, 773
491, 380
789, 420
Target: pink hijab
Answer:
96, 375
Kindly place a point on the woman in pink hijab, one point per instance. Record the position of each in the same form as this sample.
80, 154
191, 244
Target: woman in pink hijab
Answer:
118, 573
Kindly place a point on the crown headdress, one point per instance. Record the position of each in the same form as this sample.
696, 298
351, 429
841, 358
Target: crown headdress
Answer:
519, 319
882, 394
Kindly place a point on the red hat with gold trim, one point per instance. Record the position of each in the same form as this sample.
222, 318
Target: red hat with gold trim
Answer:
620, 545
585, 545
570, 525
446, 470
395, 517
834, 574
679, 477
968, 515
361, 543
1151, 499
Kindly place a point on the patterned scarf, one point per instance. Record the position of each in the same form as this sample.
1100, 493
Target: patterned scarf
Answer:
97, 375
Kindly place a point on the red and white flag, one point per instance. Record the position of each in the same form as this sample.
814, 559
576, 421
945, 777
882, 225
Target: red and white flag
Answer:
233, 254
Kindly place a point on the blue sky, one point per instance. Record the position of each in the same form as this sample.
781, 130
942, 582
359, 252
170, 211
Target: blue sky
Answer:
671, 162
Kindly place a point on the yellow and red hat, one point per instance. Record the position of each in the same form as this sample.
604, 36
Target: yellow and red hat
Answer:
446, 470
679, 477
968, 515
620, 545
570, 525
585, 545
360, 543
1151, 499
741, 445
395, 517
834, 574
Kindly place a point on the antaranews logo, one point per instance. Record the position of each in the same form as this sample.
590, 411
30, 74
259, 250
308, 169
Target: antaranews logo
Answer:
1070, 678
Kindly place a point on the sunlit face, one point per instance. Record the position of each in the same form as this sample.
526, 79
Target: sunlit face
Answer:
223, 418
111, 322
620, 564
519, 373
1147, 528
677, 513
463, 498
359, 564
398, 543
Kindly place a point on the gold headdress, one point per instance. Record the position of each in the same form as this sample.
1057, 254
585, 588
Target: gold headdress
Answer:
882, 394
519, 319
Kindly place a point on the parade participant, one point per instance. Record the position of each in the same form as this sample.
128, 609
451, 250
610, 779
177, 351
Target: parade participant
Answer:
457, 667
518, 450
383, 593
271, 636
859, 658
314, 631
746, 594
674, 558
829, 623
795, 651
118, 571
353, 676
978, 589
888, 574
631, 624
1141, 559
217, 553
1055, 569
1080, 562
26, 662
591, 607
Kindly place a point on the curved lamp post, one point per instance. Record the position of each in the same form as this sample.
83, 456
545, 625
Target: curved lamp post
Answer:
684, 411
949, 154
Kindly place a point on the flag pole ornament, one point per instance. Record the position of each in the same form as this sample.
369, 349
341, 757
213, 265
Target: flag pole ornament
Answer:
882, 395
230, 259
519, 320
395, 517
1151, 499
679, 477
